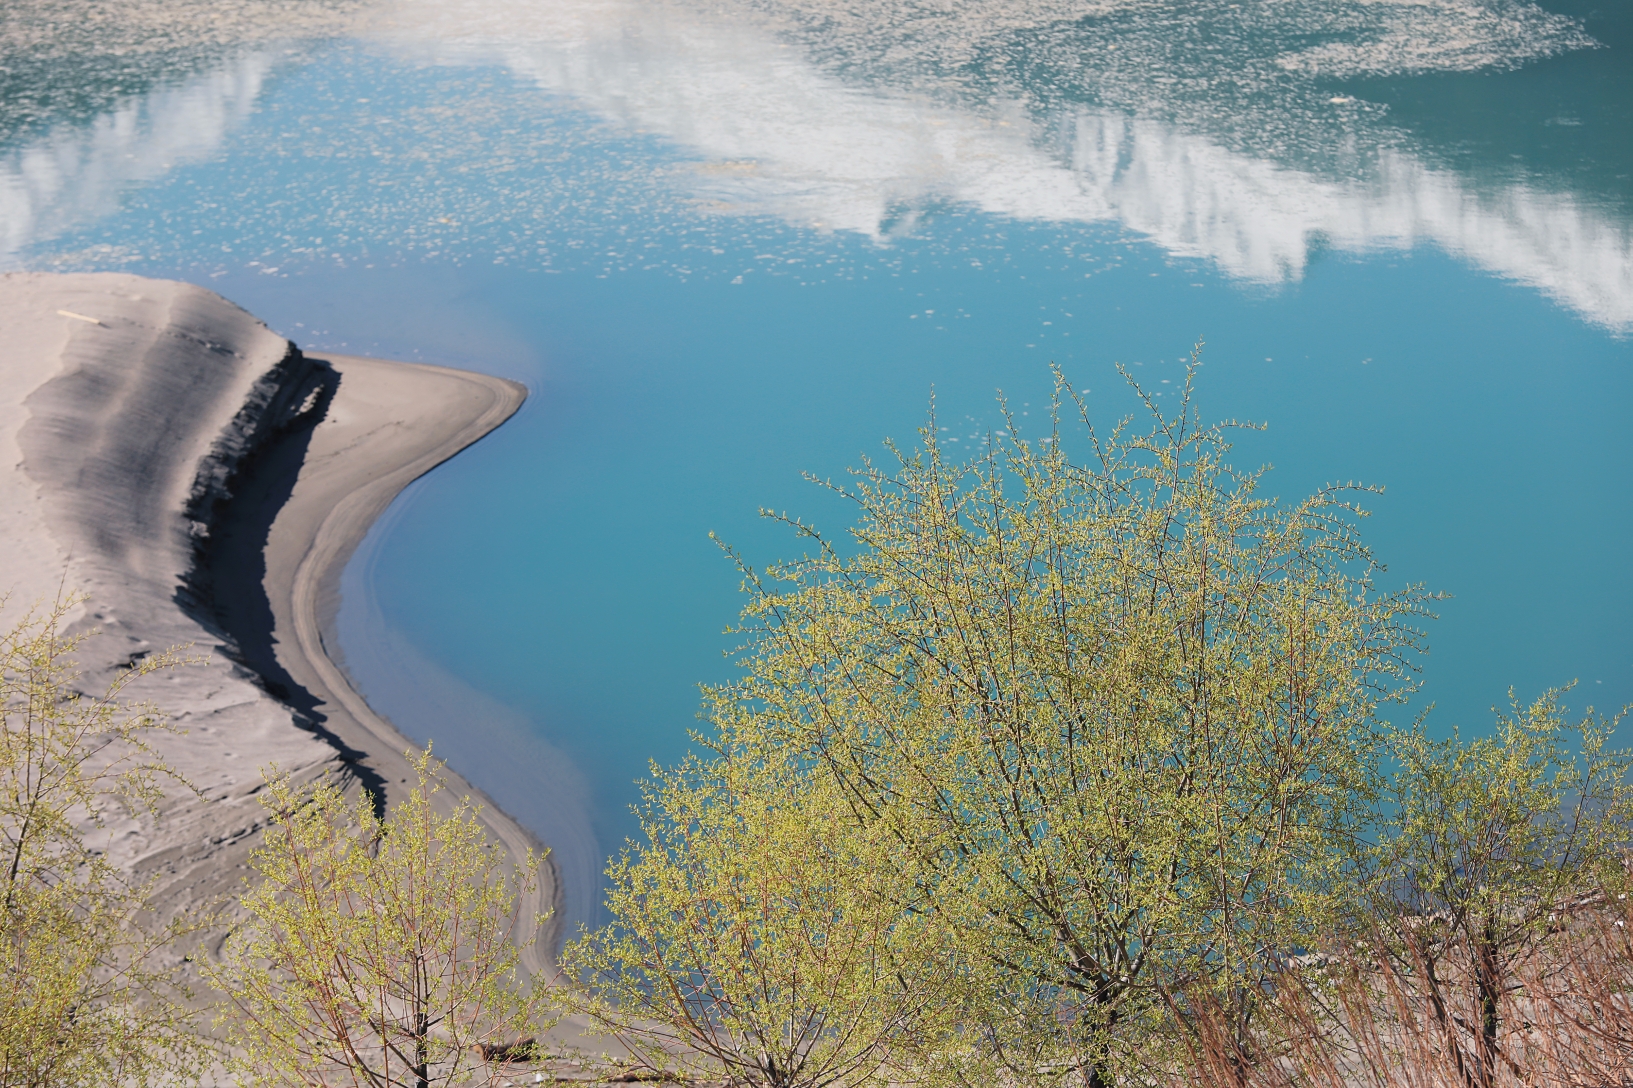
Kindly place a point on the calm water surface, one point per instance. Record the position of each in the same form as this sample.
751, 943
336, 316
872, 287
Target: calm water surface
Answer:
725, 244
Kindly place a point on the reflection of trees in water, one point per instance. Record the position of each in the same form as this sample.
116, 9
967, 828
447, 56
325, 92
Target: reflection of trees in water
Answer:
69, 60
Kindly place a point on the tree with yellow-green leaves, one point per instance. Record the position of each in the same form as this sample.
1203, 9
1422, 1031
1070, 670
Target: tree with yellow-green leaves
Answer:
1106, 727
1495, 851
89, 994
760, 935
378, 952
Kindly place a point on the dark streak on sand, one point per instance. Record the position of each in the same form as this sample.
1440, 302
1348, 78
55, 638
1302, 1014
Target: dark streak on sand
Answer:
225, 590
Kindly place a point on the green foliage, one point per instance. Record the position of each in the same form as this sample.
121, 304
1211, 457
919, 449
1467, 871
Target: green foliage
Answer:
1509, 823
1117, 717
89, 994
758, 934
376, 952
1493, 841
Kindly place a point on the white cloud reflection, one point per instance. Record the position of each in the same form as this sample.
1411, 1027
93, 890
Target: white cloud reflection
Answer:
782, 136
778, 134
77, 173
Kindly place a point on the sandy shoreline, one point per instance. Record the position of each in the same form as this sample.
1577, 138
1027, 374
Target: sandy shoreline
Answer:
388, 424
205, 484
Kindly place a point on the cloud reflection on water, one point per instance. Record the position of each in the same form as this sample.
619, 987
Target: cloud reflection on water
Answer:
782, 136
77, 173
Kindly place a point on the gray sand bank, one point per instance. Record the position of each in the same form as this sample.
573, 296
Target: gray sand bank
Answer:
204, 483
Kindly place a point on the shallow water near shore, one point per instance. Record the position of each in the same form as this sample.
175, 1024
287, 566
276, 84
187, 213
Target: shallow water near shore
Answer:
723, 250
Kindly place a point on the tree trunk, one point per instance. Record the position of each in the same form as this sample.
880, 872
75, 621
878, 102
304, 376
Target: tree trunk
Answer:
1488, 977
422, 1062
1442, 1015
1095, 1073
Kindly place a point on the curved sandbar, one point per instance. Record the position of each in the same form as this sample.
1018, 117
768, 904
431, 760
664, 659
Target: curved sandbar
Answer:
388, 424
204, 482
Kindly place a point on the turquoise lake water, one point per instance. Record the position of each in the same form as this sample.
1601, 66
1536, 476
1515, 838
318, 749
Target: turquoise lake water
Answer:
727, 245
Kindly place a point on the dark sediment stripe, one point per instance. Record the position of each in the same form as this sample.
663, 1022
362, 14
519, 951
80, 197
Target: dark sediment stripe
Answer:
239, 491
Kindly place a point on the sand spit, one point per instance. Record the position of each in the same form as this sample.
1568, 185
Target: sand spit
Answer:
205, 482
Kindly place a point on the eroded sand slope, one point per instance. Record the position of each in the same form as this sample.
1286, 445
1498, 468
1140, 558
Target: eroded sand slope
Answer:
203, 483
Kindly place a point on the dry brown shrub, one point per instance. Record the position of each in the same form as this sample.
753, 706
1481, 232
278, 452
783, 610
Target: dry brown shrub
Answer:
1393, 1009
